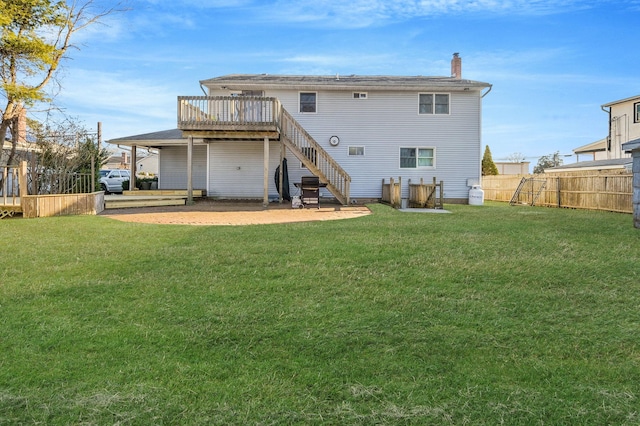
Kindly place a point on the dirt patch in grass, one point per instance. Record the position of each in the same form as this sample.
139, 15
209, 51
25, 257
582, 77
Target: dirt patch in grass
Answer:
208, 212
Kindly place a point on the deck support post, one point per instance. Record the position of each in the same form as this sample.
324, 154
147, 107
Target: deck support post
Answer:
134, 160
22, 179
281, 175
265, 201
190, 171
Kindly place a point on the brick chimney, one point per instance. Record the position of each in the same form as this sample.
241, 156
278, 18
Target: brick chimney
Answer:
456, 66
21, 127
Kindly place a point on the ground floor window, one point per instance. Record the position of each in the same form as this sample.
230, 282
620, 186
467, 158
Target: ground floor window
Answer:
356, 150
416, 158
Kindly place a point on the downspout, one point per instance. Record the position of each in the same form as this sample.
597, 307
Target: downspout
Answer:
608, 144
480, 133
487, 92
203, 91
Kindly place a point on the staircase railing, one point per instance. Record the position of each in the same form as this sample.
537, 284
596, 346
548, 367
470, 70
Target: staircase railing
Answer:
314, 157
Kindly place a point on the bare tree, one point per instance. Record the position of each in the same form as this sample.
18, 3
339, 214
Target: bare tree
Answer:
64, 150
547, 162
516, 157
35, 37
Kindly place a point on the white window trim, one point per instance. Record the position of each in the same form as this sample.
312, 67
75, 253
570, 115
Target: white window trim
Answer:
300, 105
416, 167
434, 103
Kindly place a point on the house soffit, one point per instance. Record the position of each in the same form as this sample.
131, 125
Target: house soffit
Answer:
599, 145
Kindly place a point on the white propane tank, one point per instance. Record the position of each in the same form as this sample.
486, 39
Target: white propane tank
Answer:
476, 196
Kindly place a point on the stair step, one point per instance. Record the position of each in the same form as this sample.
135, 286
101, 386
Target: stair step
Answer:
124, 201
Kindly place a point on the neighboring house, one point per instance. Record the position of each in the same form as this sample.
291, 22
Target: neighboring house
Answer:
511, 168
616, 165
120, 161
593, 151
350, 131
608, 153
148, 164
624, 125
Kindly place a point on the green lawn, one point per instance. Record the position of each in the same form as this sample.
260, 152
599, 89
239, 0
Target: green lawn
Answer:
488, 315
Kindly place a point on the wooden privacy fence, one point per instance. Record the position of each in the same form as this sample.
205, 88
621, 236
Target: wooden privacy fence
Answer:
392, 192
586, 191
422, 195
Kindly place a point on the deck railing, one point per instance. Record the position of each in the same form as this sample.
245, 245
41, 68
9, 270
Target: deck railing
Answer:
9, 186
212, 112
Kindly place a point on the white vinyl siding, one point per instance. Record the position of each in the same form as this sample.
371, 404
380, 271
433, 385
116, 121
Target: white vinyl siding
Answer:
172, 173
382, 125
455, 137
237, 169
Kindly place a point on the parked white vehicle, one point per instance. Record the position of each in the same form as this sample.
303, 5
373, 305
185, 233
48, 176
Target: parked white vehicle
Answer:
111, 180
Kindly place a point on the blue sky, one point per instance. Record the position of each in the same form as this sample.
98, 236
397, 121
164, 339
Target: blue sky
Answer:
552, 63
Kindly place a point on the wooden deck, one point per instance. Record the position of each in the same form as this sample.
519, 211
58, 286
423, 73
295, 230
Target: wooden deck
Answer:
127, 201
8, 210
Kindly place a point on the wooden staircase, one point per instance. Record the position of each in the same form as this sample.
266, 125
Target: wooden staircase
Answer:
314, 157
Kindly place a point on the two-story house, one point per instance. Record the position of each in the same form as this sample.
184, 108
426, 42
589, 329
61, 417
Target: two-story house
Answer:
351, 131
624, 125
608, 153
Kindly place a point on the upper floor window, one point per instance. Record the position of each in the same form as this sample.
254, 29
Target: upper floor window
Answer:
415, 158
308, 101
434, 103
636, 111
